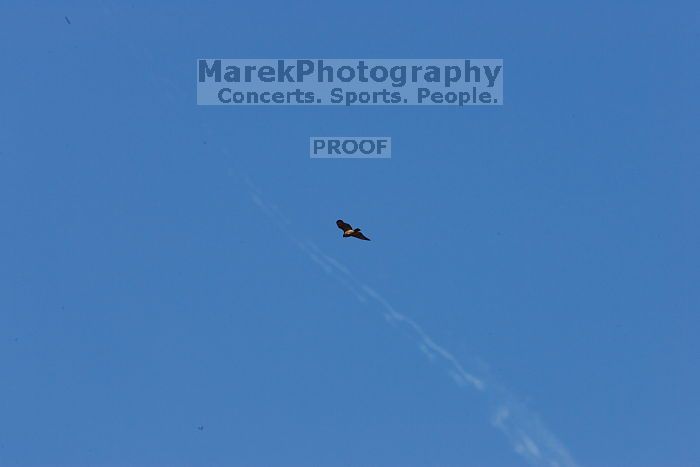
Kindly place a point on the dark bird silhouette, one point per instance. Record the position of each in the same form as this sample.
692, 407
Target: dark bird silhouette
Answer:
200, 427
67, 20
348, 231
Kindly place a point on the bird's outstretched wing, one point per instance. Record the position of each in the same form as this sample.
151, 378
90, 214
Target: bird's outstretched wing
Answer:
358, 234
342, 225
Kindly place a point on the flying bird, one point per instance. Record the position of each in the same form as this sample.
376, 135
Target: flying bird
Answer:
348, 231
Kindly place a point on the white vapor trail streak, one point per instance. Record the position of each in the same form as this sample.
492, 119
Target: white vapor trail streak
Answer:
521, 426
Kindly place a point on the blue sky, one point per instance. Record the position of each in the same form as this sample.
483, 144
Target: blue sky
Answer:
166, 266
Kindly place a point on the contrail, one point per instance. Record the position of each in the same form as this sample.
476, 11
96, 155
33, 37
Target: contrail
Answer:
522, 427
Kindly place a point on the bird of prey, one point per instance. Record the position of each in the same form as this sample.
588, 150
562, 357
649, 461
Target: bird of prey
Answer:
348, 231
